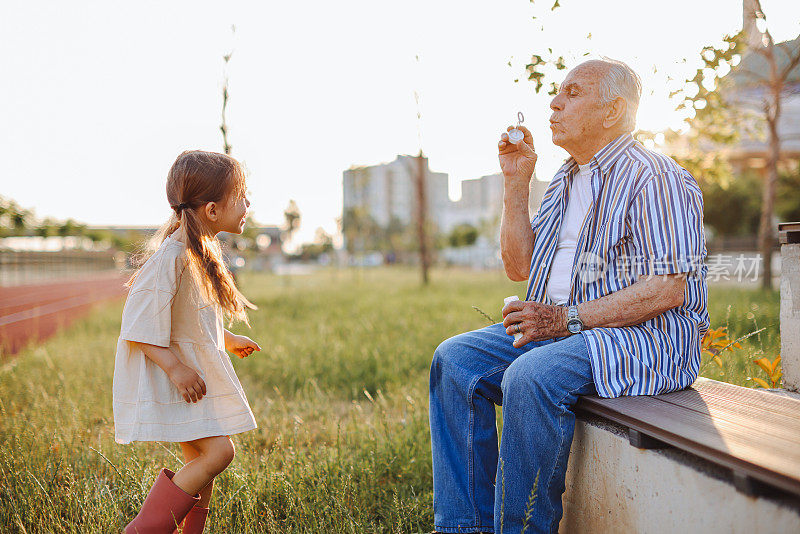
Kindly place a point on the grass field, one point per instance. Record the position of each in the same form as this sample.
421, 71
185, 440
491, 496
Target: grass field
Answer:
339, 393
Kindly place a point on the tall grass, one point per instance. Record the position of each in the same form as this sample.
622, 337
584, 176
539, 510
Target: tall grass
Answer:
339, 393
744, 311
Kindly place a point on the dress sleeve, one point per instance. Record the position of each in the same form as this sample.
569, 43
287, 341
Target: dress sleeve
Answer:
666, 221
147, 317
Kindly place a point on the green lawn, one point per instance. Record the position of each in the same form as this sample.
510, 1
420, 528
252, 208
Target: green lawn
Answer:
339, 392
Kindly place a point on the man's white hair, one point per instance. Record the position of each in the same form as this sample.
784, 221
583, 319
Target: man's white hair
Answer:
620, 81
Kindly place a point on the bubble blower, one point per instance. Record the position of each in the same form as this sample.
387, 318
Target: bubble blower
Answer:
513, 298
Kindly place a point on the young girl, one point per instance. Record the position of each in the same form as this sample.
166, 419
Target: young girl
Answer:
173, 380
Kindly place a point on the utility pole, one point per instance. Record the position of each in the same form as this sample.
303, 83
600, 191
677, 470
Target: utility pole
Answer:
224, 127
422, 203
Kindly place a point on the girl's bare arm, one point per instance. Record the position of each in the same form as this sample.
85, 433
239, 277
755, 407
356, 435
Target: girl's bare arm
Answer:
242, 346
189, 384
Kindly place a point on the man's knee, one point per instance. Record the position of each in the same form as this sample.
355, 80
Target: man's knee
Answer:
451, 360
443, 358
527, 375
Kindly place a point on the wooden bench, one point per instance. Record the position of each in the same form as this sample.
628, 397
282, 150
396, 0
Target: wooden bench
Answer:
754, 434
712, 458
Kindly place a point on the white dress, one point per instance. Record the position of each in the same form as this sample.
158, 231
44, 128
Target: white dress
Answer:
165, 308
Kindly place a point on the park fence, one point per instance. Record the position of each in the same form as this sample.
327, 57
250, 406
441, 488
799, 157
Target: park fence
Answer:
25, 267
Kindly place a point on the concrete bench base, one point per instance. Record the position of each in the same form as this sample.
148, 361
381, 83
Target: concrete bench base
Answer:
614, 487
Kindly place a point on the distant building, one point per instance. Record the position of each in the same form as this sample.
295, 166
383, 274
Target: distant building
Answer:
386, 192
481, 201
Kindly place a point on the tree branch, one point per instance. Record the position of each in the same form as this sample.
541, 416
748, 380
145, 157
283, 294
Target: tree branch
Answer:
793, 62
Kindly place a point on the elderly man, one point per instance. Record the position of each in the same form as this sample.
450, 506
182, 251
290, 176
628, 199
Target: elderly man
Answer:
616, 305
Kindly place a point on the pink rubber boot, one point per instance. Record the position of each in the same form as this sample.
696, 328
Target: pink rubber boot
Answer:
195, 520
164, 507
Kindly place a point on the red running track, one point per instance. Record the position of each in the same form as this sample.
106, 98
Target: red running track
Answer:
35, 312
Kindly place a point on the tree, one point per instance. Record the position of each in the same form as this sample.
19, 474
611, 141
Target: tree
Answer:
47, 228
462, 235
421, 197
768, 72
292, 219
14, 220
71, 228
787, 204
361, 232
224, 126
323, 244
422, 208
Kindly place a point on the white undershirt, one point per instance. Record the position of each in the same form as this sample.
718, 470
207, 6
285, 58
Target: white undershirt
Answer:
580, 198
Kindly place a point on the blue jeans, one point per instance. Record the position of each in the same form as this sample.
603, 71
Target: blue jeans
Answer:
537, 385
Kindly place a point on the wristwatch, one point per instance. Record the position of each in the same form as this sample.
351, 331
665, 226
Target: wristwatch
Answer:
574, 323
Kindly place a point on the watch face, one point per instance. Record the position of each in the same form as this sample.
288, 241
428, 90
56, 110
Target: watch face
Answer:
574, 327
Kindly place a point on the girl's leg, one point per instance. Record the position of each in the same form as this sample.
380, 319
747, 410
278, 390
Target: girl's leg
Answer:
174, 495
189, 454
214, 455
165, 506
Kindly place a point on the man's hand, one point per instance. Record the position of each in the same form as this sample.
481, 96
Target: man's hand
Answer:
517, 161
242, 346
189, 384
535, 321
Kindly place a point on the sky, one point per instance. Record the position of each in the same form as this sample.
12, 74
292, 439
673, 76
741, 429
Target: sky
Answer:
98, 98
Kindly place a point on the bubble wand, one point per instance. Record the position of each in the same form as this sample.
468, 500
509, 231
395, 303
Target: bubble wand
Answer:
516, 135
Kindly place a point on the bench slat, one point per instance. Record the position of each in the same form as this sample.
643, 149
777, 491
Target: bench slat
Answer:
756, 419
754, 398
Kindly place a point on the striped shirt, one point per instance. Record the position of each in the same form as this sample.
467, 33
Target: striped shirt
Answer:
646, 218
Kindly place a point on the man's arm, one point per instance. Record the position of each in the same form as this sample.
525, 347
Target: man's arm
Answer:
516, 236
643, 300
637, 303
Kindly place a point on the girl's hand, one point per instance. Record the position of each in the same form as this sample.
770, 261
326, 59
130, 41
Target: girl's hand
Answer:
242, 346
189, 384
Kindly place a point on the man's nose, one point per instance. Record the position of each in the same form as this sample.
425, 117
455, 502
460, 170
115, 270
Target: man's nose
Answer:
555, 104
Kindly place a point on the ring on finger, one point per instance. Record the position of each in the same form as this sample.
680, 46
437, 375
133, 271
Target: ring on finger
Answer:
517, 326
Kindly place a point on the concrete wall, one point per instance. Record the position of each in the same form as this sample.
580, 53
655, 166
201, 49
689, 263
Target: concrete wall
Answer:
613, 487
790, 316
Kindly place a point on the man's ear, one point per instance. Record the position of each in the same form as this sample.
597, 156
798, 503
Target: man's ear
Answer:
211, 211
615, 113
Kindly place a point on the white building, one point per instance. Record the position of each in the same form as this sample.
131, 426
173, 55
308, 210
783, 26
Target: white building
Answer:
387, 191
481, 201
